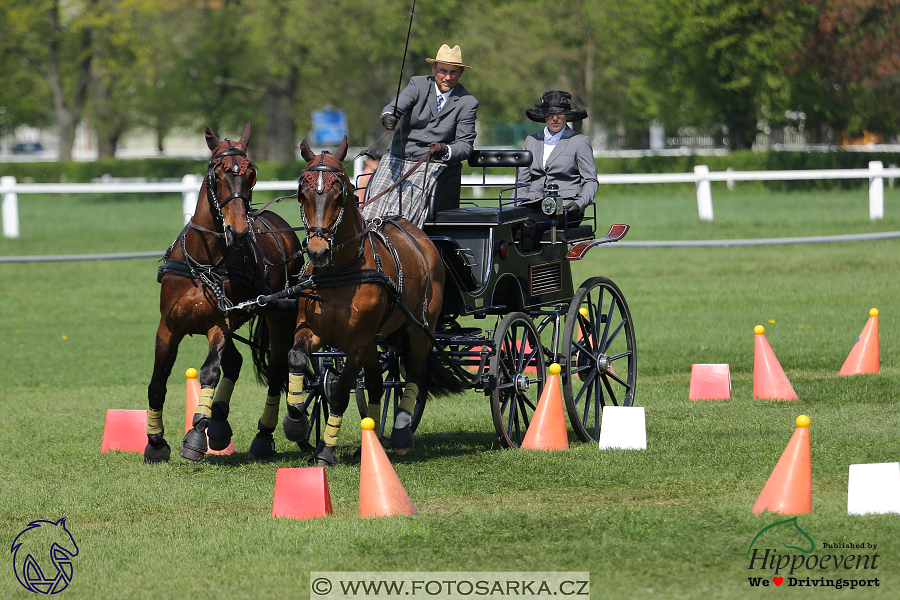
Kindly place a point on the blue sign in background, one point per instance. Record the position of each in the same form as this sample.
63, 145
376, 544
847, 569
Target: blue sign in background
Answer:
329, 126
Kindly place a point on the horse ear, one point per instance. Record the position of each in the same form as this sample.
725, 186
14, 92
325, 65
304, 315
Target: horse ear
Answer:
245, 137
305, 152
342, 150
211, 140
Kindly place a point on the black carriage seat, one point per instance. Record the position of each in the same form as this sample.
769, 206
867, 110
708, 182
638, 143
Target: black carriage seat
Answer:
444, 206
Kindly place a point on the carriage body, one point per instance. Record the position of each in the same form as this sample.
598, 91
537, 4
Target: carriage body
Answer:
540, 314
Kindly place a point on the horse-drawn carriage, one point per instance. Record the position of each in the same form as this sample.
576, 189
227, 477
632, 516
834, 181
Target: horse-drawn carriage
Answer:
539, 317
469, 307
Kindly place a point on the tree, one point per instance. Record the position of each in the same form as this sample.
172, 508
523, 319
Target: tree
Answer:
846, 71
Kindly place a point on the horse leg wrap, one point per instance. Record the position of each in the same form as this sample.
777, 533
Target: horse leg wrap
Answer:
402, 439
373, 411
219, 431
407, 406
270, 413
295, 422
204, 406
332, 429
154, 423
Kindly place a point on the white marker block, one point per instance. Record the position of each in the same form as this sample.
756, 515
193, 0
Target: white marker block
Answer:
623, 427
874, 489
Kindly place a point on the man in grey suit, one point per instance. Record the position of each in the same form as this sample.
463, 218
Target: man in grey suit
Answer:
560, 156
432, 111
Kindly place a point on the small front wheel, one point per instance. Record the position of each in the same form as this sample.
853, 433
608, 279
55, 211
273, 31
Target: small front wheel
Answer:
517, 371
601, 368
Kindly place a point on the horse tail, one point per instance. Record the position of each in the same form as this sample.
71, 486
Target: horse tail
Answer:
259, 348
440, 379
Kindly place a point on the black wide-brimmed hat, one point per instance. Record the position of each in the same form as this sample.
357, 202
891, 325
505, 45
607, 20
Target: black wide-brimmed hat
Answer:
555, 103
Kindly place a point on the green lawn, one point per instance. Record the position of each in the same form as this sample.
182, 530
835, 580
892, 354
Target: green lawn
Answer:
673, 521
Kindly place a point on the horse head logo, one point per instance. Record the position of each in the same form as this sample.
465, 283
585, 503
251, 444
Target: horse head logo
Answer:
785, 533
42, 556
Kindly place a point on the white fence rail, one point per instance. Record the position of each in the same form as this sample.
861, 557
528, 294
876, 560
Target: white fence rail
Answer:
189, 185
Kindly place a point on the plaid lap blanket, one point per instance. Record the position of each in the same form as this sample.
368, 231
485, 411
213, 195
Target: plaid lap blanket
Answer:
415, 189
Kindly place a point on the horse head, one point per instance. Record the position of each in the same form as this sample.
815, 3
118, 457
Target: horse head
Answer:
230, 176
325, 193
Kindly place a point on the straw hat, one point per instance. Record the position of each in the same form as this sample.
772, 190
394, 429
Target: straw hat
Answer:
450, 56
555, 103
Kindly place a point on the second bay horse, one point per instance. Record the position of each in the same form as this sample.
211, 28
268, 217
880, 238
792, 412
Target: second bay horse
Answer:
372, 281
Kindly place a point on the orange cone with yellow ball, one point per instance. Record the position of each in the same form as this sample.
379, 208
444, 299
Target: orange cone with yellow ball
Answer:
769, 380
192, 398
789, 488
380, 492
864, 357
547, 430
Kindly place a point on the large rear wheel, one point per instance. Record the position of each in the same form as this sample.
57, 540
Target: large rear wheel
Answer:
517, 373
601, 364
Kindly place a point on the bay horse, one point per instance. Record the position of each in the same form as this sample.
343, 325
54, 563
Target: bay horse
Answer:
226, 254
369, 281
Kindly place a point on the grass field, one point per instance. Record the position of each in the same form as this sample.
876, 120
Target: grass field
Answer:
672, 521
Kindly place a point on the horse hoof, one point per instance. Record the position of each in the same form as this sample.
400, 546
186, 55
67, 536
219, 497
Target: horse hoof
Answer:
296, 429
192, 455
402, 440
194, 445
323, 456
262, 447
157, 453
219, 431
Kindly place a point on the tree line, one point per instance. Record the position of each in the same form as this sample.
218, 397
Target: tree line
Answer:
717, 65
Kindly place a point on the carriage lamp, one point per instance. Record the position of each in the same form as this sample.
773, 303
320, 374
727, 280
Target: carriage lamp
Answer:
551, 205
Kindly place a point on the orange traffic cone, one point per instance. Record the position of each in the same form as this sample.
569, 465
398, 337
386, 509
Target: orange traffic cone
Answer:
301, 493
380, 492
863, 357
192, 398
124, 430
789, 488
547, 430
769, 380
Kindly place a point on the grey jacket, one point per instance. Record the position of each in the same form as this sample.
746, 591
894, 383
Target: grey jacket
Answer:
571, 166
422, 126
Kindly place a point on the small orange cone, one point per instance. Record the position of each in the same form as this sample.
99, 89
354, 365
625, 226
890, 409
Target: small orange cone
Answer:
864, 357
789, 488
301, 493
380, 492
124, 430
190, 408
710, 382
769, 380
547, 430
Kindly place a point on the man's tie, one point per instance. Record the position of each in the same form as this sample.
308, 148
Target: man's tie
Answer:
440, 101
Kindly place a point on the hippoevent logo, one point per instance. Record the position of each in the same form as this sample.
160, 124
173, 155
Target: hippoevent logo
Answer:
42, 556
801, 563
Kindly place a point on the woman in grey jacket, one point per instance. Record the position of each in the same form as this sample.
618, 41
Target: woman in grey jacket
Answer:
560, 156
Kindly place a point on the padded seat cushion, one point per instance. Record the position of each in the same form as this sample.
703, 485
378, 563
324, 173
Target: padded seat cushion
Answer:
476, 216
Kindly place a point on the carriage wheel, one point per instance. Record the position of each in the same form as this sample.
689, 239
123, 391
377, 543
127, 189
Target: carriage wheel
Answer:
391, 392
601, 364
322, 372
517, 371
